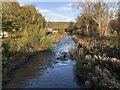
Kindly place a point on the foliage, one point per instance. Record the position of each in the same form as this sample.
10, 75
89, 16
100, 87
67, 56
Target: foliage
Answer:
26, 28
73, 52
92, 29
80, 28
94, 18
9, 16
60, 26
115, 24
46, 42
98, 62
5, 50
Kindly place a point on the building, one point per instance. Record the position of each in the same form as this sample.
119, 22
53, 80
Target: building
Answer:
49, 30
5, 34
55, 31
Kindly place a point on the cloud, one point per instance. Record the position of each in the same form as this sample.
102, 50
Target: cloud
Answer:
43, 10
51, 16
65, 8
69, 4
21, 4
25, 3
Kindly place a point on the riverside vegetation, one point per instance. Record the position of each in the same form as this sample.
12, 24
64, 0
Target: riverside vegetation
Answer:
97, 51
26, 29
96, 33
26, 35
97, 64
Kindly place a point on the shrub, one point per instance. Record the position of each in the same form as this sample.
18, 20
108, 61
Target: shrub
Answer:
95, 67
73, 52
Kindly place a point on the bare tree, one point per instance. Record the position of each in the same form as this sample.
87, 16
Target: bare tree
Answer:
85, 8
102, 14
99, 11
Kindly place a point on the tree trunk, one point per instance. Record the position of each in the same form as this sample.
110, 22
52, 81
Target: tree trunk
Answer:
106, 31
107, 27
87, 30
99, 29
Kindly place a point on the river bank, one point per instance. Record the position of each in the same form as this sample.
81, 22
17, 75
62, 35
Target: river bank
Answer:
13, 64
17, 62
98, 61
50, 71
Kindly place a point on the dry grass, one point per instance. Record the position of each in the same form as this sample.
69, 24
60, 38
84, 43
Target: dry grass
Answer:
73, 52
94, 65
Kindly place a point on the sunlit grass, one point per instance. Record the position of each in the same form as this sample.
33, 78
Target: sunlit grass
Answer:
56, 37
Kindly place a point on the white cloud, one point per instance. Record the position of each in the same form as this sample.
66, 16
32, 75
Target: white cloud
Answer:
69, 4
65, 8
24, 3
21, 4
43, 10
51, 16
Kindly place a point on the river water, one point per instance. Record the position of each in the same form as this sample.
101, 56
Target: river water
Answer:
44, 70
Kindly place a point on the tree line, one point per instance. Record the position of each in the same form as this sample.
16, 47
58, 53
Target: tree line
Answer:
26, 28
96, 18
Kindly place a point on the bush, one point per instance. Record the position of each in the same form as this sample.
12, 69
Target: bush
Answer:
95, 67
73, 52
46, 42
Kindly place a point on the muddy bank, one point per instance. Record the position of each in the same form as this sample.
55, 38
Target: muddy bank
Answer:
13, 64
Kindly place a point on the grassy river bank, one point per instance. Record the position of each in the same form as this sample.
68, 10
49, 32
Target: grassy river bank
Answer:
19, 60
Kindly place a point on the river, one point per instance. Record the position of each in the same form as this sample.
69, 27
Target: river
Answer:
45, 70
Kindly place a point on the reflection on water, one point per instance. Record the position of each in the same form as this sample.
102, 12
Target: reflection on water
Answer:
44, 71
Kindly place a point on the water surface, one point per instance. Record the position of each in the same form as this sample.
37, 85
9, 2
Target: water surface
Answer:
45, 71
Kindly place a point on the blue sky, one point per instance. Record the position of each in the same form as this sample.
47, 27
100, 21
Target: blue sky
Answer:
55, 11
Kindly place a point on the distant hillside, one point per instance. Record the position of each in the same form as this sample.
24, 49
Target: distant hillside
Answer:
58, 25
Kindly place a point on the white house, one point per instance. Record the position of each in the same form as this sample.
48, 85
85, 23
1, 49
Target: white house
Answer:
55, 31
49, 29
5, 34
